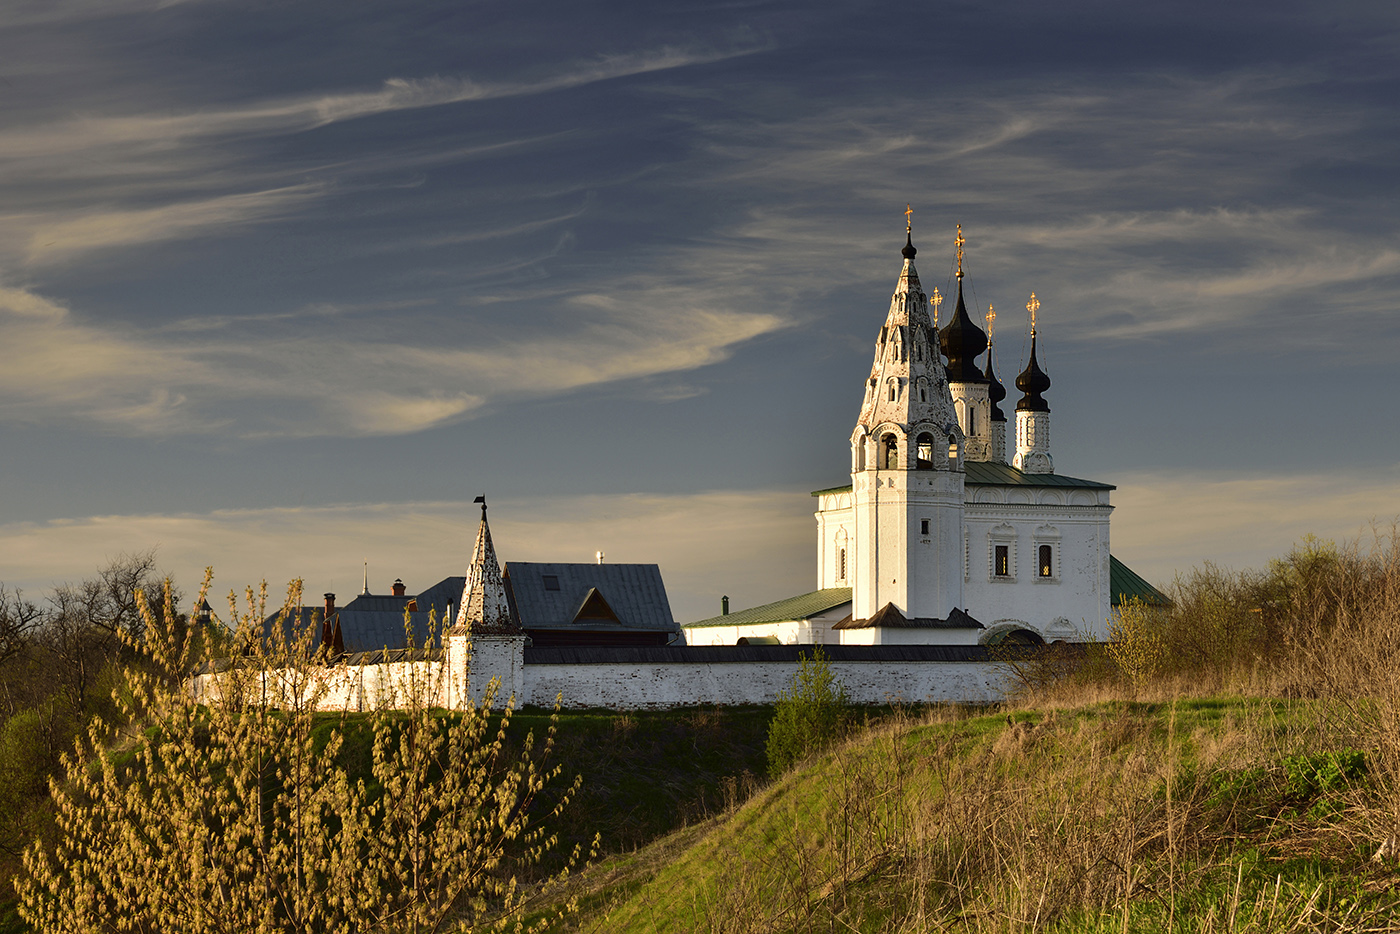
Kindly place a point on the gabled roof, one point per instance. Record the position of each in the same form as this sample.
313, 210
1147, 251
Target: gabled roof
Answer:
634, 593
804, 606
889, 617
1125, 585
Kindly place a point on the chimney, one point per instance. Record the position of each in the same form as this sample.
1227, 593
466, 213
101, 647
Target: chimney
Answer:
398, 587
330, 624
724, 605
600, 557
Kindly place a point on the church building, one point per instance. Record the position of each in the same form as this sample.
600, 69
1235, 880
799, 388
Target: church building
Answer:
945, 535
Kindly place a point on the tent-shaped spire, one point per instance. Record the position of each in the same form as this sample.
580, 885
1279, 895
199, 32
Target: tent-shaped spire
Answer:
484, 608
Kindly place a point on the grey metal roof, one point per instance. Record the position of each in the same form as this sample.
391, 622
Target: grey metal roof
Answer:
377, 603
635, 592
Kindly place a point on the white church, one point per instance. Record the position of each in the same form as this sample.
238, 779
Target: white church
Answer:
945, 535
946, 544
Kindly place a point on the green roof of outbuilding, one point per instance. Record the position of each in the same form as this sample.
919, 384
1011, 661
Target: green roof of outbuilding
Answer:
804, 607
986, 473
1125, 584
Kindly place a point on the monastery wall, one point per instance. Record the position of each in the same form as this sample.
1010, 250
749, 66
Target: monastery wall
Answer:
584, 678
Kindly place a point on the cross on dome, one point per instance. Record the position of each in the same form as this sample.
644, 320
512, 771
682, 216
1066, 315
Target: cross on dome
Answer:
959, 244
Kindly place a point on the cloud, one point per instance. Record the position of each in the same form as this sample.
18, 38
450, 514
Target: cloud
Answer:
1165, 523
753, 546
61, 239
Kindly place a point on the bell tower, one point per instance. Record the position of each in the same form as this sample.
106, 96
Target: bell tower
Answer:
907, 455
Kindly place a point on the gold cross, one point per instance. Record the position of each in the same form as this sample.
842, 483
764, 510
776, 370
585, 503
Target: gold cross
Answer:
1033, 306
909, 217
937, 300
991, 320
959, 242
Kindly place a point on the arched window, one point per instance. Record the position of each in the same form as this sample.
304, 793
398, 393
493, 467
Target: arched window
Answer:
952, 448
971, 420
924, 447
860, 454
891, 453
923, 391
894, 389
1046, 564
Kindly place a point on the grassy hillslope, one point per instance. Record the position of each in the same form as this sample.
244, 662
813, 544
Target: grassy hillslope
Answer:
1202, 815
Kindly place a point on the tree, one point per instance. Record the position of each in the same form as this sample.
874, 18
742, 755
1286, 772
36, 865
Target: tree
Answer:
88, 623
18, 620
238, 815
809, 716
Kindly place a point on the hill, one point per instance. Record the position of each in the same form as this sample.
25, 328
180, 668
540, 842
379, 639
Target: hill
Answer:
1221, 814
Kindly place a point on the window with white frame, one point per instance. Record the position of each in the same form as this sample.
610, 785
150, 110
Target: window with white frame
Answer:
1047, 554
1001, 553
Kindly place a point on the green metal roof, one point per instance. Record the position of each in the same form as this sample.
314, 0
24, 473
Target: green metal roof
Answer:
804, 607
1125, 584
985, 473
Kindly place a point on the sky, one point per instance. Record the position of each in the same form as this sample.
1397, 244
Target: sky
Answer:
283, 286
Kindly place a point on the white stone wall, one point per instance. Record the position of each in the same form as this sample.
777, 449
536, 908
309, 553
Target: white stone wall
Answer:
813, 631
886, 635
660, 686
835, 530
1071, 604
973, 404
665, 685
896, 562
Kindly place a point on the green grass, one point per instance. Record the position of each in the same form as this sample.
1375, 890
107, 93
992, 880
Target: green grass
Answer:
1215, 814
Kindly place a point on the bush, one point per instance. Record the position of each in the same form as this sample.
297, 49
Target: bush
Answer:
233, 815
810, 714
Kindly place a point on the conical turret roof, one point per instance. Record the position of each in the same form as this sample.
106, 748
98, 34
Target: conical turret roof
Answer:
484, 607
907, 383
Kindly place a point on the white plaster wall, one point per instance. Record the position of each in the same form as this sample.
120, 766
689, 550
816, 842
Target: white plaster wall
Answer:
680, 684
1077, 598
882, 635
659, 686
835, 524
895, 562
813, 631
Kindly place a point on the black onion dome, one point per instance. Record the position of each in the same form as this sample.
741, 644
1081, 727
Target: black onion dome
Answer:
909, 250
962, 343
995, 391
1032, 382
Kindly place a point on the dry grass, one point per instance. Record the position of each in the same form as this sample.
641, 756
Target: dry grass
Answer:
1242, 785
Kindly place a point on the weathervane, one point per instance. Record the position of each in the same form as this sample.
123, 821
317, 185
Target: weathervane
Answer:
909, 218
991, 321
959, 242
937, 300
1033, 306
